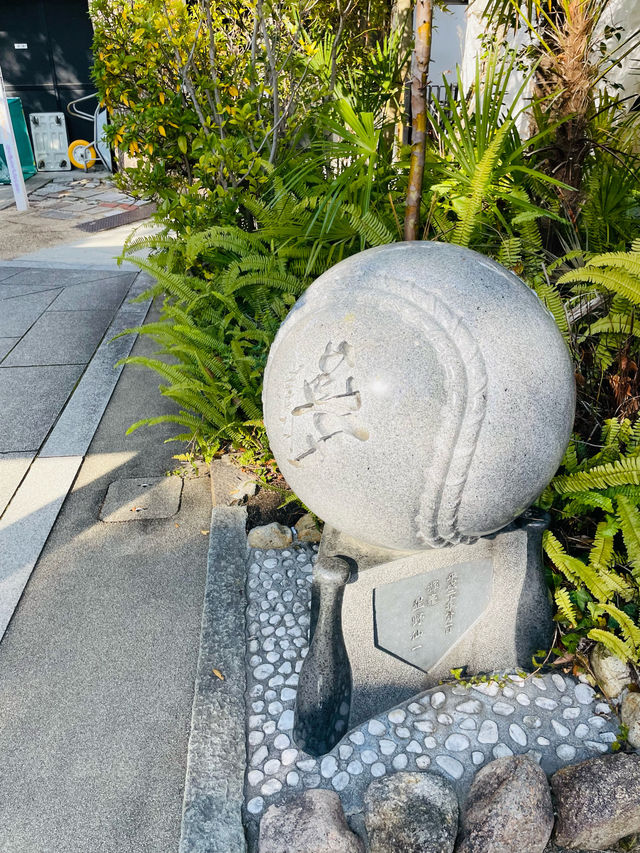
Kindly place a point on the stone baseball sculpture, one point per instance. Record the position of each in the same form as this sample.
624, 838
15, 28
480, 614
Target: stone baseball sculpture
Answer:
418, 395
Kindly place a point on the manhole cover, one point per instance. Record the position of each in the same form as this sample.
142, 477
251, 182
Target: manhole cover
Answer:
142, 497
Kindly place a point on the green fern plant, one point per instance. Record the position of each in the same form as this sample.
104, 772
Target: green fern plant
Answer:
596, 568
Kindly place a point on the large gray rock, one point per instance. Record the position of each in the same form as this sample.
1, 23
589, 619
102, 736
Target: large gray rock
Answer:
418, 395
597, 802
630, 715
509, 808
272, 535
612, 674
411, 813
313, 822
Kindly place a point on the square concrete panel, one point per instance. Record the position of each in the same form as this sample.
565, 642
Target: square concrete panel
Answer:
30, 400
93, 295
61, 337
13, 467
142, 498
20, 313
10, 291
7, 272
50, 277
6, 345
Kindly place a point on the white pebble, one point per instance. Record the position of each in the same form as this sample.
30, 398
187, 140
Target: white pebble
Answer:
546, 704
438, 699
597, 723
288, 756
445, 719
272, 766
559, 729
539, 683
430, 742
559, 682
414, 708
608, 737
451, 766
281, 742
469, 725
270, 563
571, 713
422, 762
566, 752
532, 722
269, 727
292, 779
307, 765
403, 732
488, 732
584, 694
582, 731
368, 756
602, 708
400, 762
477, 757
414, 746
543, 741
255, 738
489, 688
285, 723
378, 769
517, 734
427, 726
456, 743
387, 746
508, 692
271, 786
345, 751
376, 728
501, 750
328, 766
287, 694
473, 706
523, 699
340, 781
259, 756
275, 708
598, 747
397, 716
255, 805
263, 671
503, 709
357, 738
254, 777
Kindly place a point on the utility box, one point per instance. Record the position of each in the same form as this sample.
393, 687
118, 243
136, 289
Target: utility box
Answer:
50, 141
25, 152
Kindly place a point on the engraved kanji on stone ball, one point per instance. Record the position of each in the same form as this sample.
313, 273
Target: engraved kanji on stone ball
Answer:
418, 395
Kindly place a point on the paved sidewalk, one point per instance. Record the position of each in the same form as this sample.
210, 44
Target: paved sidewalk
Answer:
98, 659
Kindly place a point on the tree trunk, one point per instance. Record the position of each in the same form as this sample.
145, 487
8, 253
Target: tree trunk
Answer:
419, 71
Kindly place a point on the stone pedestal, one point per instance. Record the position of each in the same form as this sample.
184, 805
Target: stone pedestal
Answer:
408, 619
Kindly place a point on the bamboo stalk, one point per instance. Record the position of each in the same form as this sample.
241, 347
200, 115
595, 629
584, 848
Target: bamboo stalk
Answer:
419, 73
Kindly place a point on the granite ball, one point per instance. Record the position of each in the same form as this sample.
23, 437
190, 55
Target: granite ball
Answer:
418, 395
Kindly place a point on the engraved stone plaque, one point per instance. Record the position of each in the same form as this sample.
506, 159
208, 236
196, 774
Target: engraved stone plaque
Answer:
418, 619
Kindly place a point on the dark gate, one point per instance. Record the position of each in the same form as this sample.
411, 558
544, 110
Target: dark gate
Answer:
45, 54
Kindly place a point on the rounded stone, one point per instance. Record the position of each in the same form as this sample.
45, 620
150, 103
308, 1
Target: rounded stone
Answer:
456, 743
288, 756
271, 786
517, 734
272, 766
340, 781
488, 732
397, 716
293, 779
451, 766
368, 756
376, 728
400, 762
422, 762
281, 742
429, 335
584, 694
355, 768
378, 769
566, 752
328, 766
255, 805
387, 746
254, 777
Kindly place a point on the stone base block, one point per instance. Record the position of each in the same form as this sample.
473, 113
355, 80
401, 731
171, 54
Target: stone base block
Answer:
409, 619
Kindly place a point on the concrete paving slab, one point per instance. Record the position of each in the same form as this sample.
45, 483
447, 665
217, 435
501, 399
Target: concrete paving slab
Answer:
102, 295
26, 524
10, 291
60, 337
24, 312
77, 424
49, 277
31, 398
7, 272
6, 345
13, 467
140, 498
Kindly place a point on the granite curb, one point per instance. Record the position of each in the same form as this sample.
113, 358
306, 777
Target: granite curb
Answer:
214, 788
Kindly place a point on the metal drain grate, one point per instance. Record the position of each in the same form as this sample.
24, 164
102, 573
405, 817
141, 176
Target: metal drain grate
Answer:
124, 218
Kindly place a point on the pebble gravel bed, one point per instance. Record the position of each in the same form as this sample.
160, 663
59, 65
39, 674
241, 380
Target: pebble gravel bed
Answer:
453, 729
